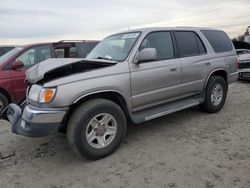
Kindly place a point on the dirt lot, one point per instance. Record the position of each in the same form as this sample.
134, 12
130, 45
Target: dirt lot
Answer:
186, 149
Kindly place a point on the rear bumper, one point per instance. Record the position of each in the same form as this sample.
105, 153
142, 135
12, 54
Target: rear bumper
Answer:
35, 122
233, 77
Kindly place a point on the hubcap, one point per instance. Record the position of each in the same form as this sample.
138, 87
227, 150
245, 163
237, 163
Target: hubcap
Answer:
217, 94
101, 130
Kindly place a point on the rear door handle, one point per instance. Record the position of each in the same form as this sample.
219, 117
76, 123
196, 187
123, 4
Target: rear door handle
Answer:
173, 68
208, 63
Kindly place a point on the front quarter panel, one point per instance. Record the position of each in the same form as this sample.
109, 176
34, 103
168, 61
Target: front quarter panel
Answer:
114, 78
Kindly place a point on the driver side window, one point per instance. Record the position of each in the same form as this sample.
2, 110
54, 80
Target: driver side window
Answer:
34, 55
28, 57
162, 42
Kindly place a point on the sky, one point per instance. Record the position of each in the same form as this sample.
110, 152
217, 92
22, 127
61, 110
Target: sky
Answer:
31, 21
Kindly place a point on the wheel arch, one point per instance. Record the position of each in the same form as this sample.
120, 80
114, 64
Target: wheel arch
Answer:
218, 72
113, 96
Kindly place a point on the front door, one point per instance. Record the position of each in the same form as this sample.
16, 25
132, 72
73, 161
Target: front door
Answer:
159, 80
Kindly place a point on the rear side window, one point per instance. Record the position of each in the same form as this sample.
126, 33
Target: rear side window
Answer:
84, 49
189, 44
218, 40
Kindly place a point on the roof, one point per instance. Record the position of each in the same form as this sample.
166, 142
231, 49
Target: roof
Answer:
9, 46
149, 29
62, 42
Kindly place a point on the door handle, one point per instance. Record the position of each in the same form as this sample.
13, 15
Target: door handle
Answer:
208, 63
173, 69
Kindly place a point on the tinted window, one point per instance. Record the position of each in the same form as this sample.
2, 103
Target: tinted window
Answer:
66, 52
201, 47
72, 52
42, 53
187, 43
218, 40
162, 42
59, 52
84, 49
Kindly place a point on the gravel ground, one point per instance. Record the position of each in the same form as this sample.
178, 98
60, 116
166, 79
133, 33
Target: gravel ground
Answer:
186, 149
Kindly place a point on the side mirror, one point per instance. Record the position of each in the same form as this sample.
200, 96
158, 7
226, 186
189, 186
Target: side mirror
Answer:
147, 54
17, 65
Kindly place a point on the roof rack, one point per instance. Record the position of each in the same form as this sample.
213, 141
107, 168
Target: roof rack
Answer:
77, 41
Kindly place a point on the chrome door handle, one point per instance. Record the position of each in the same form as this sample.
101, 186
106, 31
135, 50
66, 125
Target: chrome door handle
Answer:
173, 68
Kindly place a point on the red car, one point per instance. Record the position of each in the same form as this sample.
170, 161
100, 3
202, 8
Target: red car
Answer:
14, 64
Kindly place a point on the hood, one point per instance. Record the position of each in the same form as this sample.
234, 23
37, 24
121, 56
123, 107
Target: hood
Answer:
59, 67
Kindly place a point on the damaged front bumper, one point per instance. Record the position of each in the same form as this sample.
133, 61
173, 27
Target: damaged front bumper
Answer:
35, 122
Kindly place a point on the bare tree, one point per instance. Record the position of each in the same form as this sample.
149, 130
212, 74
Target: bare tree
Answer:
241, 37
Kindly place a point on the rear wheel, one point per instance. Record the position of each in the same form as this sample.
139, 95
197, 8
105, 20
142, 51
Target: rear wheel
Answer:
3, 101
96, 128
215, 94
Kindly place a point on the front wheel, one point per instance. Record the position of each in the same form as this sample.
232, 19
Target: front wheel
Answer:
3, 101
215, 94
96, 128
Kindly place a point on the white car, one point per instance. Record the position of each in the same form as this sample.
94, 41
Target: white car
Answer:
244, 66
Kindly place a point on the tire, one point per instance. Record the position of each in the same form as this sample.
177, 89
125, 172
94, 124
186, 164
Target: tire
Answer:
79, 128
3, 101
213, 105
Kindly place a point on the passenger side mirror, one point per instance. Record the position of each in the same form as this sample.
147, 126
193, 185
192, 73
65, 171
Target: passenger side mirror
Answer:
147, 54
17, 65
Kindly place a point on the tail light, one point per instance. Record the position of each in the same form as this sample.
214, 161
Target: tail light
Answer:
237, 63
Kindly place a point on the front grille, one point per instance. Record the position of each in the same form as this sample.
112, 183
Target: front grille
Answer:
244, 65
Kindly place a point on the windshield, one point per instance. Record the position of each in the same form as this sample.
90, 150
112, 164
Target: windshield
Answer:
9, 54
116, 47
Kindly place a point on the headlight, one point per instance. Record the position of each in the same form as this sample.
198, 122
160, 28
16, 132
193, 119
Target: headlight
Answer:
42, 95
34, 92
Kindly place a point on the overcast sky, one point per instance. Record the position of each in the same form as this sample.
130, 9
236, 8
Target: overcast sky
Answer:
28, 21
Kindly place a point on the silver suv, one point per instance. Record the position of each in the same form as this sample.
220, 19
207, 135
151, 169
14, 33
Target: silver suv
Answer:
137, 75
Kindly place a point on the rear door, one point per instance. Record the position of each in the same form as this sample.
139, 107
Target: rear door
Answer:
29, 58
194, 61
159, 80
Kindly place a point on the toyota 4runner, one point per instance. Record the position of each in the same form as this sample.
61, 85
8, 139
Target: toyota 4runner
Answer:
137, 75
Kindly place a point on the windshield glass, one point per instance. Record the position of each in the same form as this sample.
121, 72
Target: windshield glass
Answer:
9, 54
116, 47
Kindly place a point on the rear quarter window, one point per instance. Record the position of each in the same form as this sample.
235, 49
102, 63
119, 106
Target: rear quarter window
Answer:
218, 40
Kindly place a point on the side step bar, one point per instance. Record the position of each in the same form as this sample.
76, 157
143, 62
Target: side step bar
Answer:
164, 109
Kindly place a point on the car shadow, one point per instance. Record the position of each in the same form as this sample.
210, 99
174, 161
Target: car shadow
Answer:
55, 149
